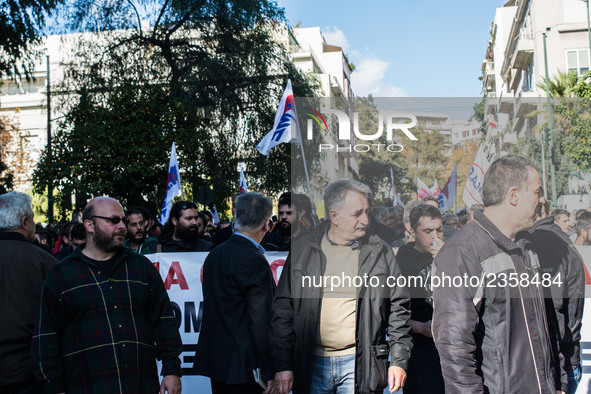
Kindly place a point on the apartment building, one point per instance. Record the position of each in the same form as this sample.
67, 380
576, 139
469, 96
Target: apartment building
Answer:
514, 66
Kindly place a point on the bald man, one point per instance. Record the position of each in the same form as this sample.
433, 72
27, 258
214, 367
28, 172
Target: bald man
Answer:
105, 316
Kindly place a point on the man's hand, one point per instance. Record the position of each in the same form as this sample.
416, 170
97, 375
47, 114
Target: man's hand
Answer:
284, 381
271, 387
435, 247
396, 378
560, 392
171, 384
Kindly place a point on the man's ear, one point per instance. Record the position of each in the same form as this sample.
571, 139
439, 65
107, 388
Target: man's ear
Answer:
513, 195
174, 221
89, 226
27, 222
300, 215
333, 216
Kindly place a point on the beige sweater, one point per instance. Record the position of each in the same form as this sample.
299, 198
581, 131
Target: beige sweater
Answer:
336, 331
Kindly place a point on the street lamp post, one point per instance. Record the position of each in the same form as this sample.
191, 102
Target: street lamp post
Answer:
588, 26
550, 124
49, 153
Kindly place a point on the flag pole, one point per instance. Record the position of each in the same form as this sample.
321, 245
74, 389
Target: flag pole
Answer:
456, 202
306, 169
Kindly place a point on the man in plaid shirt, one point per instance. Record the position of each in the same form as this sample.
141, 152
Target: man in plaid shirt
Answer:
105, 317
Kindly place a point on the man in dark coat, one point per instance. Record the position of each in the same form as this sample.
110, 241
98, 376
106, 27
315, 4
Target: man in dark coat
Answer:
330, 334
565, 298
238, 290
24, 267
181, 231
416, 261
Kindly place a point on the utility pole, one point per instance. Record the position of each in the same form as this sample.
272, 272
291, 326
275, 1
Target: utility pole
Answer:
550, 125
49, 153
588, 26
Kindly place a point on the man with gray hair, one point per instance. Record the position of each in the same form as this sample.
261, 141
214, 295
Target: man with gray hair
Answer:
238, 289
24, 267
489, 322
333, 307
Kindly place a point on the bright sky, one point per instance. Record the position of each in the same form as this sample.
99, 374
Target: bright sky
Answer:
416, 48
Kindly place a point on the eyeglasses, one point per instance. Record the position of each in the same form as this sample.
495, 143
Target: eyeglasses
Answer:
113, 219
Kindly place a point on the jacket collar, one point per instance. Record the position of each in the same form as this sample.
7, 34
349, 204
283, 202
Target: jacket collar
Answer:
238, 236
500, 239
12, 236
314, 239
119, 257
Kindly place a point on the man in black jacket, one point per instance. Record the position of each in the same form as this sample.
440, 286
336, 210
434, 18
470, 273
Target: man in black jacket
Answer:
24, 267
181, 231
416, 260
288, 226
336, 301
489, 318
238, 289
565, 298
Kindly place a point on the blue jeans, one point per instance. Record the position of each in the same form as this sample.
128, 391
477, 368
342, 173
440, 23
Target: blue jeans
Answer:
574, 378
333, 375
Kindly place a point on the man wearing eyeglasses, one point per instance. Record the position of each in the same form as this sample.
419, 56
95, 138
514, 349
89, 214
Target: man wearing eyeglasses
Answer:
181, 231
105, 316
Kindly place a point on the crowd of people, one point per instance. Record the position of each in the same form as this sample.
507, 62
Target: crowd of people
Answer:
86, 312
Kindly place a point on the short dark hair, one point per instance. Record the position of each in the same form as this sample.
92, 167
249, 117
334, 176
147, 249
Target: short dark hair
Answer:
583, 223
135, 211
430, 198
421, 211
290, 199
208, 214
78, 231
556, 213
305, 203
503, 174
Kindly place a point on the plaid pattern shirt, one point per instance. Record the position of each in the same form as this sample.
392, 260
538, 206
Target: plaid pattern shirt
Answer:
102, 334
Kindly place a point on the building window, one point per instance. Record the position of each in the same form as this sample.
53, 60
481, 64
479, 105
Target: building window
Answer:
527, 78
577, 60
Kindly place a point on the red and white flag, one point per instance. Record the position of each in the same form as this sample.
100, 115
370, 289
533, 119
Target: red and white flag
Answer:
422, 190
435, 191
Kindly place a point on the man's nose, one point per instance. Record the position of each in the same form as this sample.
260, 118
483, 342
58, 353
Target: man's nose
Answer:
364, 219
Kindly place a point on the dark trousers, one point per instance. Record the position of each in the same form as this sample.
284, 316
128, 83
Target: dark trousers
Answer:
218, 387
424, 370
27, 387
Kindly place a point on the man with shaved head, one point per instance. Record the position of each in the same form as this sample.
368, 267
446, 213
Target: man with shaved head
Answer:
105, 316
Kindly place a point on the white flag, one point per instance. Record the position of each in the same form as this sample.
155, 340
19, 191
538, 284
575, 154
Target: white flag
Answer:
173, 187
473, 190
285, 127
216, 216
243, 187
